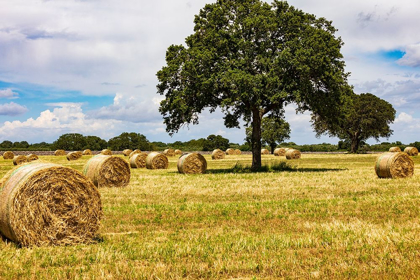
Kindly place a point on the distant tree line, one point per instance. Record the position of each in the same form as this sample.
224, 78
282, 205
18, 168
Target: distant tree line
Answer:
78, 142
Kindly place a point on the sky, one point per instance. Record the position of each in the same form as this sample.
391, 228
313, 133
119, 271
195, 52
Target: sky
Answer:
89, 66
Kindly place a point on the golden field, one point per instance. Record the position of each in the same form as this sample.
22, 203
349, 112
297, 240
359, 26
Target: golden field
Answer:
324, 216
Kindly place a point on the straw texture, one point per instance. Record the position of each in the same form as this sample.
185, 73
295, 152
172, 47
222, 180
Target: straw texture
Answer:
192, 163
218, 154
18, 160
108, 171
293, 154
60, 153
230, 152
156, 160
138, 160
87, 152
73, 155
136, 151
395, 149
265, 152
411, 151
169, 152
238, 152
8, 155
106, 152
280, 152
394, 165
127, 152
178, 152
48, 204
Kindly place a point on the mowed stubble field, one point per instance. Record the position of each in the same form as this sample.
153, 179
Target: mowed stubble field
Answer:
329, 217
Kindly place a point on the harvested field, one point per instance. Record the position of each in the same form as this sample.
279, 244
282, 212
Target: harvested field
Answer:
324, 216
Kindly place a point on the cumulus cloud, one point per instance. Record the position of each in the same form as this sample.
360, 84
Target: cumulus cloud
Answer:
12, 109
411, 56
8, 93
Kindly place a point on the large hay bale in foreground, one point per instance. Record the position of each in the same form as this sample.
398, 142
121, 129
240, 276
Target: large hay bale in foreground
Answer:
265, 152
138, 160
60, 153
106, 152
156, 160
293, 154
108, 171
218, 154
238, 152
18, 160
127, 152
73, 156
395, 149
178, 152
48, 204
192, 163
87, 152
169, 152
31, 157
8, 155
411, 151
280, 152
394, 165
136, 151
230, 152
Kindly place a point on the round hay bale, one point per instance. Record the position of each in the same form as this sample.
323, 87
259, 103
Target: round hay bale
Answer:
192, 163
18, 160
73, 156
156, 160
394, 165
178, 152
411, 151
394, 149
293, 154
107, 171
138, 160
230, 152
106, 152
218, 154
238, 152
60, 153
87, 152
280, 152
265, 152
8, 155
169, 152
136, 151
127, 152
31, 157
48, 204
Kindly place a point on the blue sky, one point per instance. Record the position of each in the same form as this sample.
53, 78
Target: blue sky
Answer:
89, 67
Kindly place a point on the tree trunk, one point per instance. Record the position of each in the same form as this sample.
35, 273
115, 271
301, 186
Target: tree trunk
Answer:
273, 147
256, 140
355, 144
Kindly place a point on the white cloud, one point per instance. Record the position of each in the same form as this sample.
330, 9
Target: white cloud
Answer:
404, 118
8, 93
412, 56
12, 109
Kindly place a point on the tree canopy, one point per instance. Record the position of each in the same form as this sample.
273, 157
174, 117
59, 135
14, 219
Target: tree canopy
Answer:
215, 142
130, 140
364, 116
251, 58
273, 132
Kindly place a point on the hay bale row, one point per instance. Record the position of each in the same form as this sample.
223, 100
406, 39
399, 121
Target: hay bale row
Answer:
60, 153
411, 151
18, 160
394, 165
107, 171
8, 155
265, 152
193, 163
138, 160
87, 152
136, 151
48, 204
73, 155
31, 157
218, 154
169, 152
106, 152
156, 160
293, 154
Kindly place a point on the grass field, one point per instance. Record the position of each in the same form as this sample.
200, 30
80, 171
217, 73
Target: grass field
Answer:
327, 217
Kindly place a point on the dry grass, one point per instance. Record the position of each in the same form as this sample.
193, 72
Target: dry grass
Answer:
329, 217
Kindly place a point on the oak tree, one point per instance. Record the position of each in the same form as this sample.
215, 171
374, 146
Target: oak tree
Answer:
251, 58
